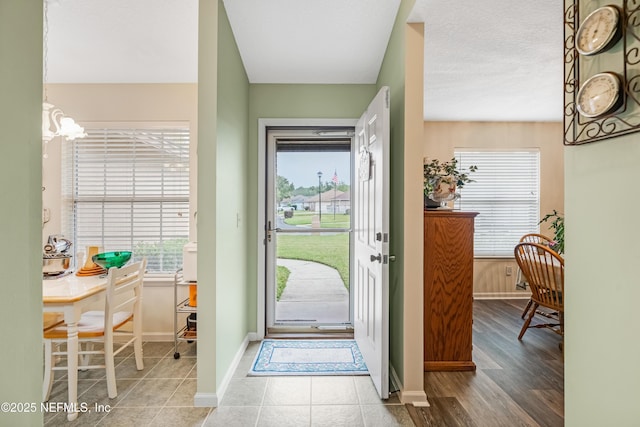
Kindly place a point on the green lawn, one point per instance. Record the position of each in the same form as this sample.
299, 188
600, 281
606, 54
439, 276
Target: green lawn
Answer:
282, 275
328, 249
328, 219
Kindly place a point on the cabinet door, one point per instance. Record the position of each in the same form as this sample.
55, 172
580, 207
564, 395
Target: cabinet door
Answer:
448, 291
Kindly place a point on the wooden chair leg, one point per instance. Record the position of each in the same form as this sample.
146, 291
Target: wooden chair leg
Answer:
526, 309
527, 322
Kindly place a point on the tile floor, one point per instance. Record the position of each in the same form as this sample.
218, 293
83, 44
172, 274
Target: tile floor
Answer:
162, 395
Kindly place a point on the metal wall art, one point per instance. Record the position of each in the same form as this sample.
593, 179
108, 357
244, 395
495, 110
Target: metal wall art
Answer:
602, 70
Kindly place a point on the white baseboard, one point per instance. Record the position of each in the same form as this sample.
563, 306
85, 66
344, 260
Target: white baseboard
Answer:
502, 295
416, 401
416, 398
232, 368
393, 377
205, 400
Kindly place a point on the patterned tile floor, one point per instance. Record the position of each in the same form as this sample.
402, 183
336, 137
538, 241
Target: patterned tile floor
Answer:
162, 395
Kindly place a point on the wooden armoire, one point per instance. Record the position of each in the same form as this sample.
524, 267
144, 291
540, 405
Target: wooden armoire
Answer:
448, 290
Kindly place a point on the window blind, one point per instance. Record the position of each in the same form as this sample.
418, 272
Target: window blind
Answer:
128, 189
506, 196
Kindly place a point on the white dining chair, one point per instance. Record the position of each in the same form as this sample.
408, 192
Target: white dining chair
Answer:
123, 304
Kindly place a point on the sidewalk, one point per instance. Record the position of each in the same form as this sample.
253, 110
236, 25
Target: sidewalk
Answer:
314, 293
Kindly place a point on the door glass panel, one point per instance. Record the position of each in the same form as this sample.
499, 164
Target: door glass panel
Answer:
312, 284
311, 238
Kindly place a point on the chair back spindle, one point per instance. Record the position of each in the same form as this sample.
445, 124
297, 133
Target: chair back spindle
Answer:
543, 269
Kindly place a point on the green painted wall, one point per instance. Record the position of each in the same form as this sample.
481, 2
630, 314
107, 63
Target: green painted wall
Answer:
207, 182
223, 108
601, 283
302, 101
601, 345
392, 74
232, 285
21, 195
292, 101
602, 289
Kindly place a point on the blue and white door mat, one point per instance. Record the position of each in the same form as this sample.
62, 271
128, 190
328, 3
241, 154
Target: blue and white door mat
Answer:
308, 357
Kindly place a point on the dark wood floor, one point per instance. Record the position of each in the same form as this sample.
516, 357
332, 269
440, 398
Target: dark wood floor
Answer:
517, 383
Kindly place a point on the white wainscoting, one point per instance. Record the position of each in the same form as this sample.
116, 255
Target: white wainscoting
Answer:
492, 281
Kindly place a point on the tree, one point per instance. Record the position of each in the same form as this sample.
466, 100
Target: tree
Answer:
343, 187
284, 188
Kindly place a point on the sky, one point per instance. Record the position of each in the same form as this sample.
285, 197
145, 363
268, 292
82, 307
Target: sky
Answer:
301, 168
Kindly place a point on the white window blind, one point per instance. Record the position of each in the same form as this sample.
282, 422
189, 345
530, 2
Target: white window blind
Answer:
128, 189
505, 194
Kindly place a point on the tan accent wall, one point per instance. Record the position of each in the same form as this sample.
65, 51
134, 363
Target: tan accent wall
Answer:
442, 138
122, 104
413, 333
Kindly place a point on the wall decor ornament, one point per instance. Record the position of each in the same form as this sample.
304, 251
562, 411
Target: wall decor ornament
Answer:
599, 31
602, 70
599, 95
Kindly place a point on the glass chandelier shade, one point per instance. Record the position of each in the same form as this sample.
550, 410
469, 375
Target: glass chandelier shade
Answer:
54, 121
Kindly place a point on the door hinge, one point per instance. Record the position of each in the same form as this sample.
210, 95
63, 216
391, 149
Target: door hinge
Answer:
382, 237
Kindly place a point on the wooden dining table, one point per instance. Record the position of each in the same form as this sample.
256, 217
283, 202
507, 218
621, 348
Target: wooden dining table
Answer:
71, 295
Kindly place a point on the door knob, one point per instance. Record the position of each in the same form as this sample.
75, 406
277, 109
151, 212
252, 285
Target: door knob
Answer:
376, 258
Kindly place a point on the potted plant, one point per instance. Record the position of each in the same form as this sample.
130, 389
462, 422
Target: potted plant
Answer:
441, 180
557, 225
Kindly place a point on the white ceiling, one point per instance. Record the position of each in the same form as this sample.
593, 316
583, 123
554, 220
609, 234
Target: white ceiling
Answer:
484, 59
312, 41
122, 41
492, 59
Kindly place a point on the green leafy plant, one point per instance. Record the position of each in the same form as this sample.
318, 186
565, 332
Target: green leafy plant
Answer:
556, 223
162, 257
436, 172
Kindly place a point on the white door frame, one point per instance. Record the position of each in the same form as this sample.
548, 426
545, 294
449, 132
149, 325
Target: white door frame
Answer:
261, 183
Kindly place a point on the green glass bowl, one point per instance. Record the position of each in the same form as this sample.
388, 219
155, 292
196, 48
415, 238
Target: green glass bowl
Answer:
112, 259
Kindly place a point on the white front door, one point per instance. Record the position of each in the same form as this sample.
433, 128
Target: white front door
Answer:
371, 240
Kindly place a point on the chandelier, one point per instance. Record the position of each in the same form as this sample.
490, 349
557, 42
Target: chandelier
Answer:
54, 121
